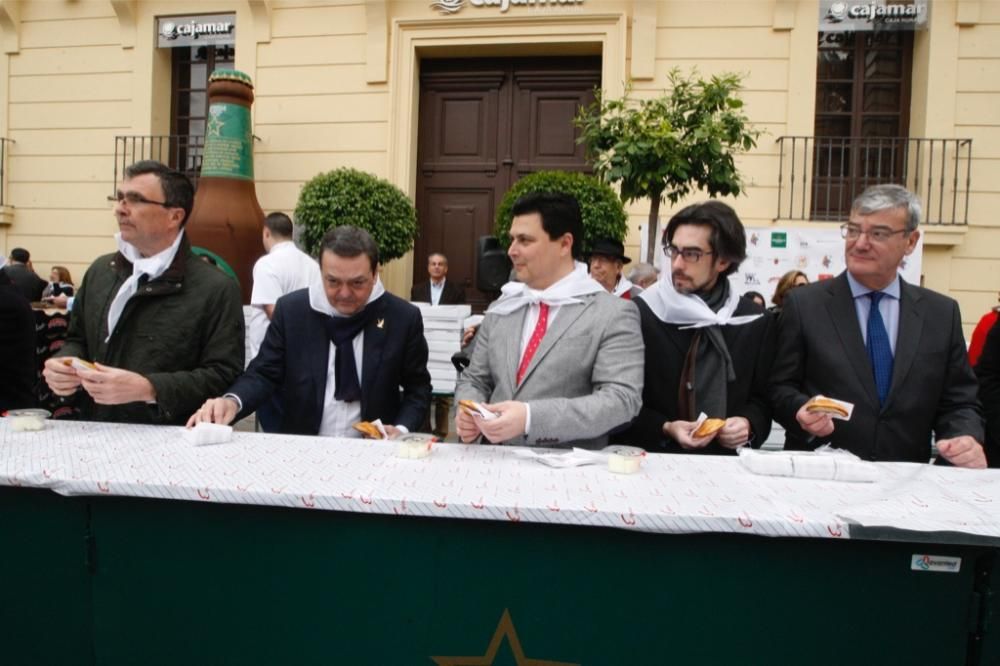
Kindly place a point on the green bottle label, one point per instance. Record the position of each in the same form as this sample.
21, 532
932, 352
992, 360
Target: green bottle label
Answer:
228, 151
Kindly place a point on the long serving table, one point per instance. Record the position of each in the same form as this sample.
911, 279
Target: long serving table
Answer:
301, 550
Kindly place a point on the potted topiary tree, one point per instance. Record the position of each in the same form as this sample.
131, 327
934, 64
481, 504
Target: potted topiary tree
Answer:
349, 196
602, 211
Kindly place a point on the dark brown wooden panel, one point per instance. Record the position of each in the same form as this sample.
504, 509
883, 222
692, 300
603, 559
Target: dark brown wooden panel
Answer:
483, 124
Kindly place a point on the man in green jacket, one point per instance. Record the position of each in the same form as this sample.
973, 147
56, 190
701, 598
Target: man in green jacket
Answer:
155, 331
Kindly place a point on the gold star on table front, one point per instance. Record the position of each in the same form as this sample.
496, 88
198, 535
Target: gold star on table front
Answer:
505, 628
214, 126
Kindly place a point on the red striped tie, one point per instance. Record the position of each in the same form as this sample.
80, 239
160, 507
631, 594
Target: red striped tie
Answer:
536, 339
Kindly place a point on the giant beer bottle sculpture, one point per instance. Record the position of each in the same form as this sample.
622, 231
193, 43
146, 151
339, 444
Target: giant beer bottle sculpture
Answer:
227, 218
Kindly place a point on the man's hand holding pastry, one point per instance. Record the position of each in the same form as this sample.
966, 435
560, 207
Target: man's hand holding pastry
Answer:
114, 386
691, 435
61, 376
511, 421
816, 415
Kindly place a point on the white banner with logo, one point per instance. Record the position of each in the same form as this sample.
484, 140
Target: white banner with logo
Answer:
836, 16
181, 31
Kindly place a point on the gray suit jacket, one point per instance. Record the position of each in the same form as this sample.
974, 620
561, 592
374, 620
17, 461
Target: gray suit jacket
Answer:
584, 381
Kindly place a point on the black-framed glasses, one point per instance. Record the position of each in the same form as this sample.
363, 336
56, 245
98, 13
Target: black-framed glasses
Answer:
691, 255
134, 199
878, 234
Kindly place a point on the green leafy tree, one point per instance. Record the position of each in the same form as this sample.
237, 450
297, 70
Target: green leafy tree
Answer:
349, 196
602, 211
685, 139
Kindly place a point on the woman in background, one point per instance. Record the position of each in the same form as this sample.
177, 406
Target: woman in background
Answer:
60, 283
788, 281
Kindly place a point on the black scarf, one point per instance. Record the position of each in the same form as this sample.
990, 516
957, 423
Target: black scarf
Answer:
342, 331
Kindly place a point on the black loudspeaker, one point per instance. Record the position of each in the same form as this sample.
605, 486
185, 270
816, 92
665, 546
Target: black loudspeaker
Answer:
492, 264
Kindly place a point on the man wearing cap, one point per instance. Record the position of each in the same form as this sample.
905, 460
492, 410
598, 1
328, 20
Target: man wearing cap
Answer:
557, 357
342, 350
708, 350
164, 328
19, 271
606, 261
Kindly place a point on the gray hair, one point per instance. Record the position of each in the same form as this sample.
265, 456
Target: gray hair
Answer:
886, 197
642, 271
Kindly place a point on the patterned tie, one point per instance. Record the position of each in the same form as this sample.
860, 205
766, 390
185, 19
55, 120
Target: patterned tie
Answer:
536, 339
879, 350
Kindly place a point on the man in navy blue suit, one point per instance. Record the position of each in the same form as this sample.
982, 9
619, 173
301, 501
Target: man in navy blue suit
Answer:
342, 351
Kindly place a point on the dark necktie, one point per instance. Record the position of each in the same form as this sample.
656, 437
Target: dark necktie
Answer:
879, 349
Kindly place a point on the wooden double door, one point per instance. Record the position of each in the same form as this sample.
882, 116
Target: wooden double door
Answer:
485, 123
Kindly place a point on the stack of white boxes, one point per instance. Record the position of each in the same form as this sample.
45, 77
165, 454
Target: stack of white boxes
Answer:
443, 326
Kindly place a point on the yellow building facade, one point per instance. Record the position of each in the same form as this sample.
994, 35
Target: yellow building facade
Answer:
339, 84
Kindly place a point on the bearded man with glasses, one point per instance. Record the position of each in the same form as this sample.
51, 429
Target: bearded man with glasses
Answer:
154, 330
894, 350
707, 348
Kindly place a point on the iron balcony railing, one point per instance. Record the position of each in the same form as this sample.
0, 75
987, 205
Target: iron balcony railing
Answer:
4, 148
819, 176
179, 151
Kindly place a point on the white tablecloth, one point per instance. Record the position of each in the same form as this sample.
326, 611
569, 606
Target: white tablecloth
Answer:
672, 493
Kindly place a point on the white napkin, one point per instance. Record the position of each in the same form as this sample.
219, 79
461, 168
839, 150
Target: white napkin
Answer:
208, 433
826, 464
573, 458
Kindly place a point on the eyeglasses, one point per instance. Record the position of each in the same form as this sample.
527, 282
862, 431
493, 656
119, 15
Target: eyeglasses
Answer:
875, 234
691, 255
134, 199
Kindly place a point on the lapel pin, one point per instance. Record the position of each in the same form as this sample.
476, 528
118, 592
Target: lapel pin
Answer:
380, 323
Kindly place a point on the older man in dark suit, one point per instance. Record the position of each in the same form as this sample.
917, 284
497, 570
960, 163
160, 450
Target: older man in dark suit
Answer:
438, 290
343, 351
893, 349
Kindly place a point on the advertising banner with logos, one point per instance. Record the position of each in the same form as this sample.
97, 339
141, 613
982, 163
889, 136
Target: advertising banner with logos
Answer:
819, 253
182, 31
836, 16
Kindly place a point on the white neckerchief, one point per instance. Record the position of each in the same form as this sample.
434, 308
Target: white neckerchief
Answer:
623, 287
319, 302
515, 295
688, 310
154, 267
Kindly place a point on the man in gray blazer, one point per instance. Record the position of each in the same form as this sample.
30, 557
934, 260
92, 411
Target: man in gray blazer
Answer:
558, 358
894, 350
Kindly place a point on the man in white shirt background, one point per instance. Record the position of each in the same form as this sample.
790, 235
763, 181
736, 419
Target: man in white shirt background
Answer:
284, 269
